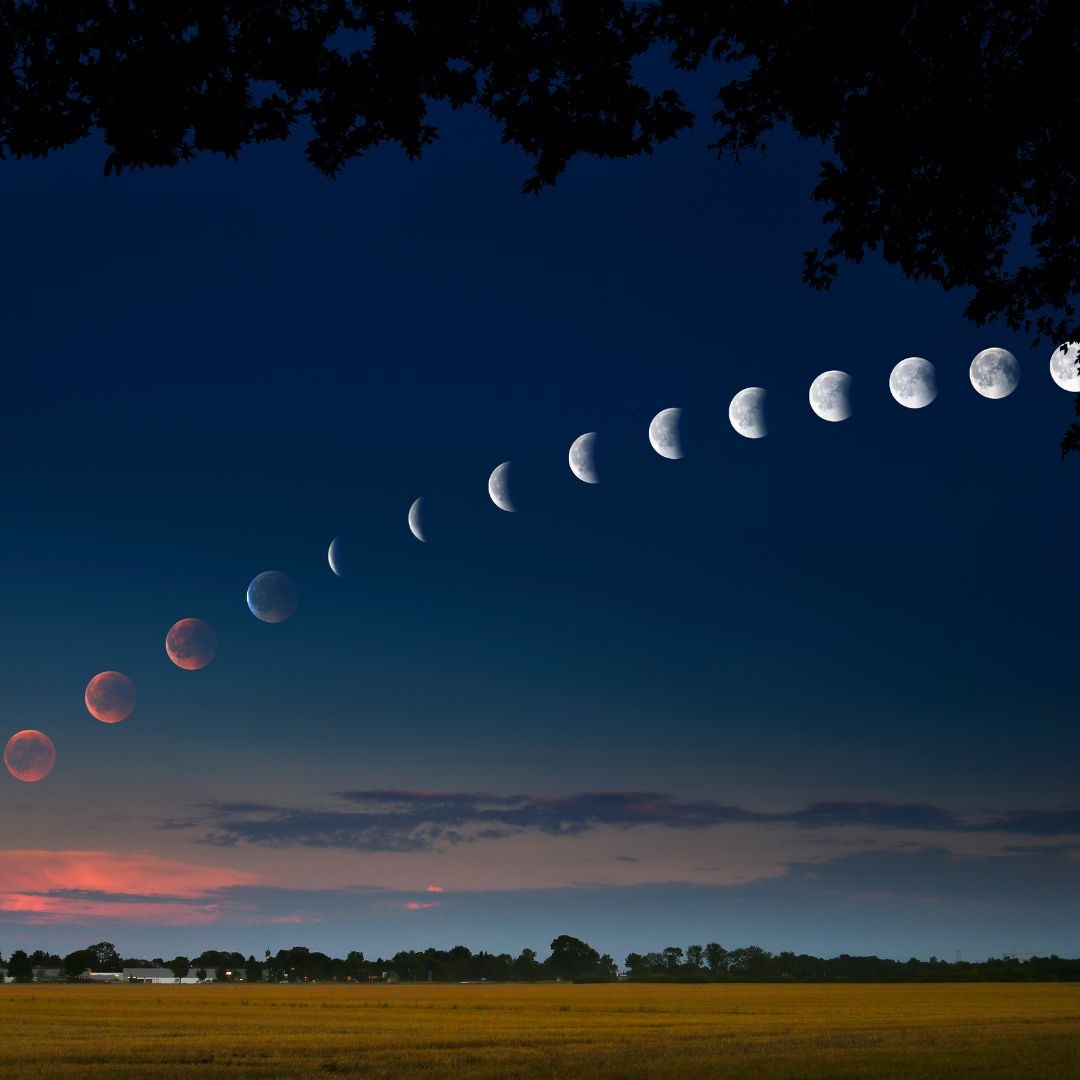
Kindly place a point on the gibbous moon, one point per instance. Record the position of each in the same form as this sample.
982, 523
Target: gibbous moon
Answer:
191, 644
664, 434
29, 755
995, 373
583, 458
499, 488
830, 395
747, 413
1063, 368
272, 596
333, 555
416, 521
913, 382
110, 697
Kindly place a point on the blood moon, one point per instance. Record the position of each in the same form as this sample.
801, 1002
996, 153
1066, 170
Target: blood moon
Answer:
191, 644
110, 697
29, 755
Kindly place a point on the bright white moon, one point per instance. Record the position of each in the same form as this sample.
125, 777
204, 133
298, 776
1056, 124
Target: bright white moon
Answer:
1063, 369
499, 488
995, 373
583, 458
416, 524
664, 433
913, 382
830, 395
333, 555
747, 413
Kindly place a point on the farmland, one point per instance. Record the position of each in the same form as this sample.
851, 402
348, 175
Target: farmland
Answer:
545, 1030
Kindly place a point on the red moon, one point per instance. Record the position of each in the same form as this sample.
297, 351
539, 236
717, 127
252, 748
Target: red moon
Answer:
110, 697
29, 755
191, 644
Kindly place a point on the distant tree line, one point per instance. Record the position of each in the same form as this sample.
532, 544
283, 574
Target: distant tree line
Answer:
571, 959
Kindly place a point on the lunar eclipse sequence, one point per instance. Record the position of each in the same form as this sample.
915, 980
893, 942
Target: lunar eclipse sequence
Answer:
272, 596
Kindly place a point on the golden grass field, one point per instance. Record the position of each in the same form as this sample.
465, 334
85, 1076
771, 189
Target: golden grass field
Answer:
489, 1031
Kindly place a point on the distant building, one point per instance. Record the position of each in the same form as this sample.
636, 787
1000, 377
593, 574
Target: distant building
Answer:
49, 974
148, 975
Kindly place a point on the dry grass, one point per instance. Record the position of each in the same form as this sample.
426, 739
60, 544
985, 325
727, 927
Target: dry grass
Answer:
489, 1031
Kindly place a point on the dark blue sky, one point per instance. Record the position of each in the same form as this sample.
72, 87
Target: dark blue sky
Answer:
212, 371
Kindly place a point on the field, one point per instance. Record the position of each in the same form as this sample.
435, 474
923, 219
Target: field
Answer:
490, 1031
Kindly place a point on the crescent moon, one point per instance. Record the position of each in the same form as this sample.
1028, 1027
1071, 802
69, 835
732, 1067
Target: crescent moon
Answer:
995, 373
664, 434
747, 413
499, 488
583, 458
333, 556
1063, 366
913, 382
415, 523
830, 395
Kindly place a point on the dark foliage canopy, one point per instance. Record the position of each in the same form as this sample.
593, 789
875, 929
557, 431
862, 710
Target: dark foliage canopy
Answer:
950, 131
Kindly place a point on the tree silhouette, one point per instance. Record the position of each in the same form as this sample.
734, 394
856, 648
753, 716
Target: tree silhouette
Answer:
949, 131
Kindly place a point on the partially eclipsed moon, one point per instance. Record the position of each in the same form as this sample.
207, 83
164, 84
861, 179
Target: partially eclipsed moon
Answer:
416, 521
272, 596
913, 382
110, 697
830, 395
583, 458
1063, 369
499, 488
191, 644
995, 373
29, 755
747, 413
664, 434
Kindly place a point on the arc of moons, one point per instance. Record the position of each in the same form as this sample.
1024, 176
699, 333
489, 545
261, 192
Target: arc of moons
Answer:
29, 755
272, 596
583, 458
110, 697
747, 413
664, 434
830, 395
191, 644
995, 373
1063, 366
913, 382
333, 556
499, 488
416, 520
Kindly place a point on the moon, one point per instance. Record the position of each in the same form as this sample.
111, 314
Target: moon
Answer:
830, 395
995, 373
913, 382
333, 556
191, 644
747, 413
499, 488
110, 697
416, 521
272, 596
583, 458
30, 755
1063, 370
664, 434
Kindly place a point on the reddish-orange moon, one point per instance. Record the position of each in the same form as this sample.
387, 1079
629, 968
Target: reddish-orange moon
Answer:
191, 644
29, 755
110, 697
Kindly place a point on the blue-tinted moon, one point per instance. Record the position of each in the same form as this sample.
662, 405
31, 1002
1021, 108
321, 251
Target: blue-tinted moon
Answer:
830, 395
747, 413
1063, 369
913, 382
583, 458
416, 523
499, 488
333, 556
272, 596
995, 373
664, 434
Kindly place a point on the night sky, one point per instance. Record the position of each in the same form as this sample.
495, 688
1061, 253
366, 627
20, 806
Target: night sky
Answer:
814, 691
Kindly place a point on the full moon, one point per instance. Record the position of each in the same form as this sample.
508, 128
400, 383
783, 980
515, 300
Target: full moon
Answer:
830, 395
333, 555
110, 697
191, 644
995, 373
416, 520
583, 458
272, 596
747, 413
664, 434
29, 755
499, 488
913, 382
1063, 370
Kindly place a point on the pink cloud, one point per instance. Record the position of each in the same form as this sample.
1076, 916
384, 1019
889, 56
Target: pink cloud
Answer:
434, 888
416, 905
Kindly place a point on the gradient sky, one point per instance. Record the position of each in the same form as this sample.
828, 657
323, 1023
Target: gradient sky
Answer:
816, 691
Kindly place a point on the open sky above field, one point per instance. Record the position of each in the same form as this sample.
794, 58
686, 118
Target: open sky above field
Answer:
816, 690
